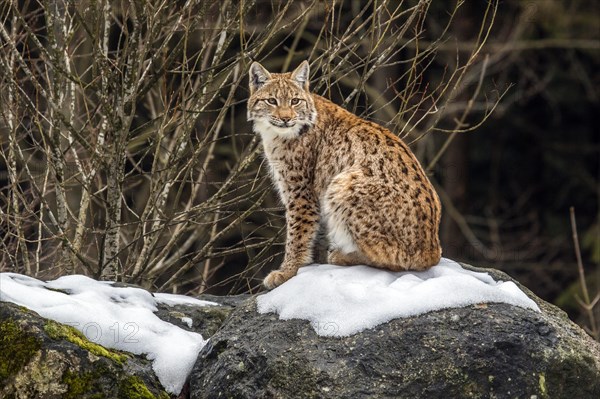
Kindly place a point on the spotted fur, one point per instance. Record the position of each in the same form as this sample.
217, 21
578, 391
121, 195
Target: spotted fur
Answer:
356, 176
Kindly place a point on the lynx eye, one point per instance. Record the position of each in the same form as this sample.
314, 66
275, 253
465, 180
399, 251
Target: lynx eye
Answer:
272, 101
295, 101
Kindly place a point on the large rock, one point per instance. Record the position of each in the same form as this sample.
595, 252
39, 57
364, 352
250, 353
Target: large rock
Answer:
484, 351
40, 358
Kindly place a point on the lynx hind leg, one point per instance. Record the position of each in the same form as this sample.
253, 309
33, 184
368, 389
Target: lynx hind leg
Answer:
365, 228
337, 213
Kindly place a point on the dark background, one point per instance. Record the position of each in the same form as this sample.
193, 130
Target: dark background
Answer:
506, 186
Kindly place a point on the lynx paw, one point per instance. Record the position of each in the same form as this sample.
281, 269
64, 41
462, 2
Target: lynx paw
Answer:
337, 257
275, 279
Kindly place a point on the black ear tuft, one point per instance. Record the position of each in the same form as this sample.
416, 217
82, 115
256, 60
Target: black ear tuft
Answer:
258, 76
301, 74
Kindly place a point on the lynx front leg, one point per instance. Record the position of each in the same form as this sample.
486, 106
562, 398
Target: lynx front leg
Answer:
302, 218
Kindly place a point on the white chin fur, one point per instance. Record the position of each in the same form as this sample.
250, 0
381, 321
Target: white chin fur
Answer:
265, 129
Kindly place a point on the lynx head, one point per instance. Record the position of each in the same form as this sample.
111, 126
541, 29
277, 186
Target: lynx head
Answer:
280, 103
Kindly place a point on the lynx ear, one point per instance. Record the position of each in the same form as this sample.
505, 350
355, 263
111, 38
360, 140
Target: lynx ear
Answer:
258, 76
301, 74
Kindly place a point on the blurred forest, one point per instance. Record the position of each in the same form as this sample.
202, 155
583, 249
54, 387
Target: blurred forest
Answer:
126, 154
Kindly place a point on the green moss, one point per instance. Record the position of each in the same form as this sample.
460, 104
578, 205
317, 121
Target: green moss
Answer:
60, 331
542, 382
17, 347
134, 388
77, 384
89, 385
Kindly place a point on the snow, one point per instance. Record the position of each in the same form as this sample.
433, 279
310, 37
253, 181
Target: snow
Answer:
188, 321
172, 299
341, 301
120, 318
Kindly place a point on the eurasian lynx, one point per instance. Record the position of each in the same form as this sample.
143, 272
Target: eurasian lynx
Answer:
375, 199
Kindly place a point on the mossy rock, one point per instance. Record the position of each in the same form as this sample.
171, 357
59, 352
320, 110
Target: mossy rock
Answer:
17, 348
59, 331
483, 351
40, 358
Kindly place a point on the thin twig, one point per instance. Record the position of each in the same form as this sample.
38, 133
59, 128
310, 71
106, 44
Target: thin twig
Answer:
587, 305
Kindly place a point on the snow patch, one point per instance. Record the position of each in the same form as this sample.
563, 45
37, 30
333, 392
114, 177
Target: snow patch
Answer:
341, 301
188, 321
173, 299
120, 318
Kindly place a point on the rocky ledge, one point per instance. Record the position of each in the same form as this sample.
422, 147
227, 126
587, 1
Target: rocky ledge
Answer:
40, 358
